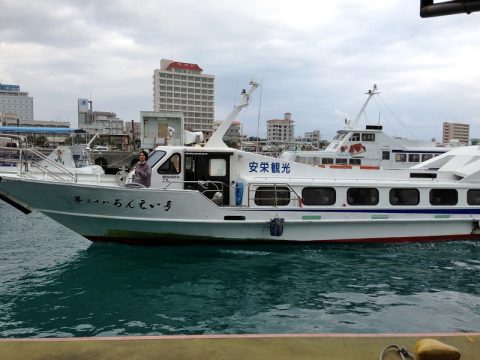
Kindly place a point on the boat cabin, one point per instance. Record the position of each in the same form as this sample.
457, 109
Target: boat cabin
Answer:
193, 169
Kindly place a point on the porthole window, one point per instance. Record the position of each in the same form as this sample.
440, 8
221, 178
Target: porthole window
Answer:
404, 197
400, 157
368, 137
362, 196
413, 157
426, 157
473, 197
272, 196
443, 197
318, 196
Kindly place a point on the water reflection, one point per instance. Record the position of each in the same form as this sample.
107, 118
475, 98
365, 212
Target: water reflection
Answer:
109, 289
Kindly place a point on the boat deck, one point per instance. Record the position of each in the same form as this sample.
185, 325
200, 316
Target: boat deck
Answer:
265, 346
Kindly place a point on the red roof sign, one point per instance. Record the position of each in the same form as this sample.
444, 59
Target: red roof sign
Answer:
184, 66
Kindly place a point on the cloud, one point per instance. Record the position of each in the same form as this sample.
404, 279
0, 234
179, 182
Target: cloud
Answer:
316, 60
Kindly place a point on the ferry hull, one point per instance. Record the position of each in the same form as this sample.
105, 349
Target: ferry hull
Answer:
152, 216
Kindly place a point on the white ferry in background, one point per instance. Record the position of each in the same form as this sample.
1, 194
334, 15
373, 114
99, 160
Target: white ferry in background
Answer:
368, 147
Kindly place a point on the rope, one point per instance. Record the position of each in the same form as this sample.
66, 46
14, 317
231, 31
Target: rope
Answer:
402, 352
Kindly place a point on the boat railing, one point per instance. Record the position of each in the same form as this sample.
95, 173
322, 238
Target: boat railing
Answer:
211, 189
24, 158
273, 194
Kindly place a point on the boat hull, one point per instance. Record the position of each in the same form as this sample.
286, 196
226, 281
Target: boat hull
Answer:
142, 216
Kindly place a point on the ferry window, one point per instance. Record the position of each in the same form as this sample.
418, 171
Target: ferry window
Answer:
401, 157
355, 137
340, 161
386, 155
272, 196
362, 196
404, 197
171, 165
368, 137
217, 167
318, 196
355, 161
413, 157
327, 161
189, 163
473, 197
443, 197
426, 157
155, 157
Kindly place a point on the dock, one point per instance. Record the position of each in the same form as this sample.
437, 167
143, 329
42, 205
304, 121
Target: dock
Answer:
252, 347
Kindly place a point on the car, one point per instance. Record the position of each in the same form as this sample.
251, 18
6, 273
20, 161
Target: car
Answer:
100, 148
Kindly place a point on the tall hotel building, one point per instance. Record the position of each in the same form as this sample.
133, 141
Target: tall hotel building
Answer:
15, 103
460, 132
182, 87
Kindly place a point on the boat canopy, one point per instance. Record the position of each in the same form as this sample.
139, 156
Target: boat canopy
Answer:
39, 130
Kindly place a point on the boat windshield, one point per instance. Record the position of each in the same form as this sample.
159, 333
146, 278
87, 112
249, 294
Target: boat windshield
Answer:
340, 135
155, 157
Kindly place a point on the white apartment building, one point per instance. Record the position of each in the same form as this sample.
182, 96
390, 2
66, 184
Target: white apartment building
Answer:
182, 87
15, 103
280, 132
314, 138
233, 136
457, 131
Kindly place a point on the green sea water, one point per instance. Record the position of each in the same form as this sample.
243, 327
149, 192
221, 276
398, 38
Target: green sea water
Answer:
54, 283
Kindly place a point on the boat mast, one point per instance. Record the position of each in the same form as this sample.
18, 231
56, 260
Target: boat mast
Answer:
217, 138
353, 124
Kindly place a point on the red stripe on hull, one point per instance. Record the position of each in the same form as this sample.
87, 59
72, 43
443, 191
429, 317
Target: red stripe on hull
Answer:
169, 241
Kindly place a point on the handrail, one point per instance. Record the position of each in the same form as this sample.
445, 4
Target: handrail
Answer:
219, 187
25, 163
53, 163
296, 198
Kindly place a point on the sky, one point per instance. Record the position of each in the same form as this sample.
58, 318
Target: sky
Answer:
315, 60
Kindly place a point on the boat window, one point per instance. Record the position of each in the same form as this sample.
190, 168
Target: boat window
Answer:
217, 167
473, 197
413, 157
272, 196
355, 161
327, 161
404, 196
318, 196
400, 157
386, 155
171, 165
155, 157
341, 161
189, 164
355, 137
340, 135
443, 197
368, 137
362, 196
426, 157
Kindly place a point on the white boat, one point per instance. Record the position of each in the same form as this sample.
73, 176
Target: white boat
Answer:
370, 146
65, 163
223, 194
